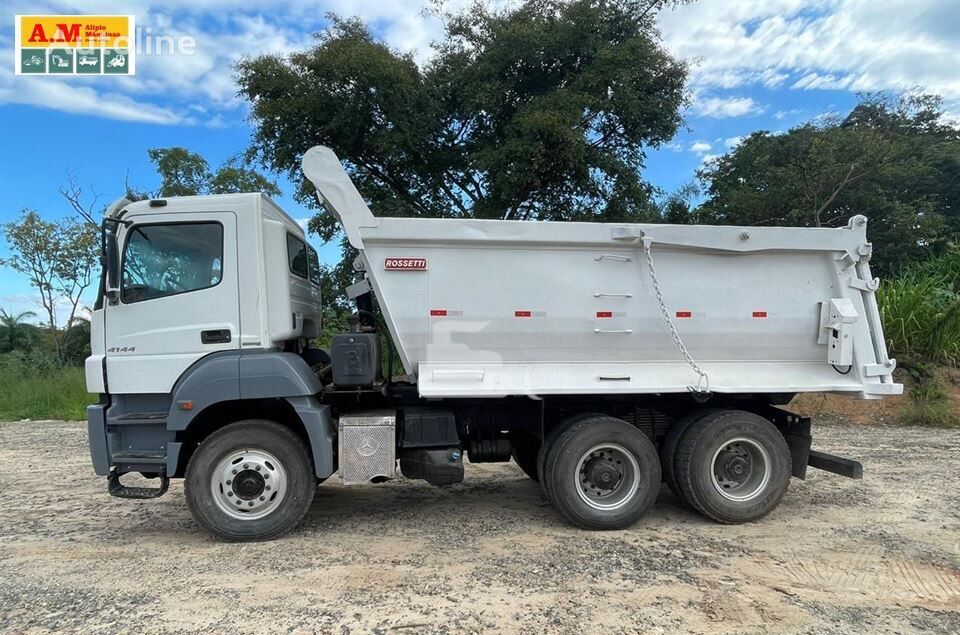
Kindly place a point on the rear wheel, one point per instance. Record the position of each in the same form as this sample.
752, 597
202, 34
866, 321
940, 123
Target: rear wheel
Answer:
251, 480
548, 443
733, 466
603, 473
669, 449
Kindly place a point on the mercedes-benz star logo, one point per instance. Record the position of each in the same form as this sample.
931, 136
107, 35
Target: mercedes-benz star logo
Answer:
367, 445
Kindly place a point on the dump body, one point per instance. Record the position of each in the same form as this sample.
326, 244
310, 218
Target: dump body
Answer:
484, 308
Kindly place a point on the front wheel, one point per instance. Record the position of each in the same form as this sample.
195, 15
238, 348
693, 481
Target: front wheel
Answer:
602, 473
251, 480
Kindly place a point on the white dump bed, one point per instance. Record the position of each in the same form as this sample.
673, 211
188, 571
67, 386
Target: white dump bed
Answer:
489, 307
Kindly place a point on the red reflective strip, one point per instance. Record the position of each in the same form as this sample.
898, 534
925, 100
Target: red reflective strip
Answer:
438, 312
759, 314
522, 313
604, 314
684, 314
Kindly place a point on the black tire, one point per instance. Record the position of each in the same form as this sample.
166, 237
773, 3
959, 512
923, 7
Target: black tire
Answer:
548, 443
668, 450
622, 453
282, 445
525, 452
745, 439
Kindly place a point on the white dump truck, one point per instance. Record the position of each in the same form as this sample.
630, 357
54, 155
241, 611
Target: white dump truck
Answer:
604, 359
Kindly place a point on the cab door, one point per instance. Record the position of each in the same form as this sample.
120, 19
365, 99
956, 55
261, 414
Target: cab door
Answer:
178, 298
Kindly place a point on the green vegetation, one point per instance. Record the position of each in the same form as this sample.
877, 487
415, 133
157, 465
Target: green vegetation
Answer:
920, 310
37, 386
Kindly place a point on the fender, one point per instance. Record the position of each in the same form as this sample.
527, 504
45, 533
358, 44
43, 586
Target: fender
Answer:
238, 375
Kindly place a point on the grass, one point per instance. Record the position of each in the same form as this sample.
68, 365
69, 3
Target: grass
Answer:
54, 393
920, 311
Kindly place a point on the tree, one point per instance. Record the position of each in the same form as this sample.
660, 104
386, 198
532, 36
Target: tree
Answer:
186, 173
15, 333
541, 111
892, 160
183, 173
59, 259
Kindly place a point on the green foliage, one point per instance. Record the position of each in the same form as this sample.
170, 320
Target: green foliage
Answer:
39, 386
15, 333
186, 173
920, 311
896, 161
232, 177
540, 111
59, 259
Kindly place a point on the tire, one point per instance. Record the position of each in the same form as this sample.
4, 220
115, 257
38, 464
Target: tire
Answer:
525, 452
603, 473
548, 443
668, 451
268, 458
733, 466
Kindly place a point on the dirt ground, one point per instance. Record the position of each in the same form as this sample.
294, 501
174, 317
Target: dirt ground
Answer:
881, 555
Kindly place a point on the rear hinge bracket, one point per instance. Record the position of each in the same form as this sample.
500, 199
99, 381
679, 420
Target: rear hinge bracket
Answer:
880, 370
865, 285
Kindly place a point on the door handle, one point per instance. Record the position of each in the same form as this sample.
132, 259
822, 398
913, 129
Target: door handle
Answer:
215, 336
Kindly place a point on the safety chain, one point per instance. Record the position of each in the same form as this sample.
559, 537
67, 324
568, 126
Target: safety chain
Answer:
703, 382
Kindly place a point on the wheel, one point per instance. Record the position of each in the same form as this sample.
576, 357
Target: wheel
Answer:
525, 451
548, 443
669, 449
733, 466
251, 480
603, 473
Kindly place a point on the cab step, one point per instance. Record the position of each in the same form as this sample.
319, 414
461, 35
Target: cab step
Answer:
118, 489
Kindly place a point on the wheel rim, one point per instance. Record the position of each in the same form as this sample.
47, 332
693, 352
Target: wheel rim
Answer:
607, 476
740, 469
249, 484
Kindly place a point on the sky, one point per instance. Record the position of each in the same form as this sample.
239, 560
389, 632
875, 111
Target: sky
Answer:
754, 65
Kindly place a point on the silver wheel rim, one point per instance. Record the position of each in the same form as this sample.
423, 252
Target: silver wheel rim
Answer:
740, 469
607, 476
248, 484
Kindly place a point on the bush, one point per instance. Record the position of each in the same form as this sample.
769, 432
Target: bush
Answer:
920, 311
38, 386
928, 399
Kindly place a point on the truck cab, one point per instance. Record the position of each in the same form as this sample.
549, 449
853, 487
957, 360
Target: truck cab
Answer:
191, 315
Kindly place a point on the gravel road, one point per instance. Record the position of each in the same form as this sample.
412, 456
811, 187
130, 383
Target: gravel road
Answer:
880, 555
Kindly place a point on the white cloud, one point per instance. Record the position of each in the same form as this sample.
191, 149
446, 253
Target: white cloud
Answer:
61, 95
783, 114
700, 147
723, 107
733, 142
851, 45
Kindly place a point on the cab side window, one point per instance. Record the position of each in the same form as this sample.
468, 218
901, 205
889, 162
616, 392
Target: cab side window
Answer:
316, 273
171, 258
297, 256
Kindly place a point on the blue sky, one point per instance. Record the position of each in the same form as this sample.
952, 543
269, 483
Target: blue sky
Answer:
754, 65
